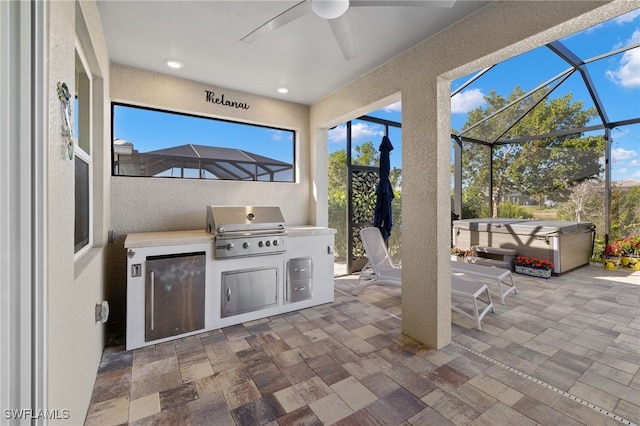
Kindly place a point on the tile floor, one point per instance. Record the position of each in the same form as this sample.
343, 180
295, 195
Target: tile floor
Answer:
563, 351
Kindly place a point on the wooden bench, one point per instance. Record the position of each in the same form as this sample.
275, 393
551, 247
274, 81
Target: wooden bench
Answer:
493, 256
502, 276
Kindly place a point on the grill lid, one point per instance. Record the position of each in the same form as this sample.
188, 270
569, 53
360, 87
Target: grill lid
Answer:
229, 220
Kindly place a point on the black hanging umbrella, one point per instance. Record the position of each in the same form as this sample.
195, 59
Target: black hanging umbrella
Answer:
382, 217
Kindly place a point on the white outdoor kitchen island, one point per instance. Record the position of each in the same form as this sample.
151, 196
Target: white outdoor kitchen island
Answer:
176, 286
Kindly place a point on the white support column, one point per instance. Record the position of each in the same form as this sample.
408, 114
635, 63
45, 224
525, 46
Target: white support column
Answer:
23, 135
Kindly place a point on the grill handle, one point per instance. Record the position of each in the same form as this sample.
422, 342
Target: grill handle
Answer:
253, 229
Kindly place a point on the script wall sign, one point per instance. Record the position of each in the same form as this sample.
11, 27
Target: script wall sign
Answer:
220, 100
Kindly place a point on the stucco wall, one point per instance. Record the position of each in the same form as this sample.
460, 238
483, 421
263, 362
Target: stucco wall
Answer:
165, 204
75, 341
421, 76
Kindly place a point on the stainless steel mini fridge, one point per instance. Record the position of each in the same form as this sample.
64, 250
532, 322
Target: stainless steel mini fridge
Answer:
174, 294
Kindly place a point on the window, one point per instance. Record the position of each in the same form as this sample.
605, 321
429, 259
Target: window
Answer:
82, 158
154, 143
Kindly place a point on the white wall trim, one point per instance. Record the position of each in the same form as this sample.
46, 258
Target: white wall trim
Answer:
39, 187
23, 133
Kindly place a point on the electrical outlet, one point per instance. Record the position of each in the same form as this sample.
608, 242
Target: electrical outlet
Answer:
136, 270
102, 311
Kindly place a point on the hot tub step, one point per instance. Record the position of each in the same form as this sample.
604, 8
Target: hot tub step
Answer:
504, 264
494, 256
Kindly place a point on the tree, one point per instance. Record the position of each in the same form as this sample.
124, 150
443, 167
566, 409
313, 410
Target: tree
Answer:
541, 168
585, 203
338, 201
365, 154
625, 211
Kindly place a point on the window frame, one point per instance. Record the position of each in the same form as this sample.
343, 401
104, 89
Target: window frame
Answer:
293, 132
79, 152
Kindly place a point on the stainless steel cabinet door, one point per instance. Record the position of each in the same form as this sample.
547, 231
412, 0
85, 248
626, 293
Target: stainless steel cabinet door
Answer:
174, 295
249, 290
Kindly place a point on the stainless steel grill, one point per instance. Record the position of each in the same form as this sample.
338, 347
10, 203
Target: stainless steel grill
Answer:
246, 230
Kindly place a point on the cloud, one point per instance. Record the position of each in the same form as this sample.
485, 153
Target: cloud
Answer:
621, 154
362, 131
338, 134
359, 131
466, 101
393, 107
628, 72
627, 17
277, 135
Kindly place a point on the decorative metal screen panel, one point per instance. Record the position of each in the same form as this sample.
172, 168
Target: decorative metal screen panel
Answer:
357, 249
363, 203
363, 198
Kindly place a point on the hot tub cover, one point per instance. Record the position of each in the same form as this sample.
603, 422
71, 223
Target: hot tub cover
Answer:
484, 224
523, 227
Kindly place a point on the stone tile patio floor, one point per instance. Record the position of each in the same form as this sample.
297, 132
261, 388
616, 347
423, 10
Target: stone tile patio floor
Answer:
563, 351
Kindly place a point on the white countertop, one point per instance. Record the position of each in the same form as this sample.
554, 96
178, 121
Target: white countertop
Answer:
169, 238
304, 230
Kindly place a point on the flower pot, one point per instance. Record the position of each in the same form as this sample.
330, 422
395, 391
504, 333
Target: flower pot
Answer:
533, 272
610, 262
630, 262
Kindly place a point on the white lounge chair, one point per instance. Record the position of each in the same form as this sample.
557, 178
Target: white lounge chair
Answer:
472, 290
489, 272
381, 270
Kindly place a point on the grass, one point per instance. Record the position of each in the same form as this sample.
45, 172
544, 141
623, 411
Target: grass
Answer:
544, 214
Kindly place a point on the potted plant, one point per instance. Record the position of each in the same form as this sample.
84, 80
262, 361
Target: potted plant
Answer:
459, 254
631, 253
533, 266
612, 255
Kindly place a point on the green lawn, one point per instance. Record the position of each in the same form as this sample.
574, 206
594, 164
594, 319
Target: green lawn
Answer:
544, 214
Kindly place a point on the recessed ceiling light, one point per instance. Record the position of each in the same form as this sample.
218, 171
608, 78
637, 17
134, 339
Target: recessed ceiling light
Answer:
282, 90
174, 64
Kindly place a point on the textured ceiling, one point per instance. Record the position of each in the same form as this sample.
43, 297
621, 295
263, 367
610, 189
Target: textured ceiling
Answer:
302, 55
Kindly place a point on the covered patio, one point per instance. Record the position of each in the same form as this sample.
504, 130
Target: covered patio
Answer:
561, 351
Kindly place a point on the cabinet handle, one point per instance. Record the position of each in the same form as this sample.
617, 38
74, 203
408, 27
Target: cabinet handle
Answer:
300, 270
228, 294
299, 288
153, 299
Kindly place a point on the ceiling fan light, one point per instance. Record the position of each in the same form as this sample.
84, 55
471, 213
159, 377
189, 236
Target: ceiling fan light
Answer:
329, 9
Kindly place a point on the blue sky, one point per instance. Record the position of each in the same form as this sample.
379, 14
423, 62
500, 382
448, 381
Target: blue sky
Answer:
163, 130
617, 79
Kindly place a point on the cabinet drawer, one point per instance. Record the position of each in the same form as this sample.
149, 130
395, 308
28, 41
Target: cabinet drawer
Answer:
299, 290
298, 269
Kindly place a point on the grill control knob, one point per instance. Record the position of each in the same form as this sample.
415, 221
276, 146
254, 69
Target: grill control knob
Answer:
245, 245
275, 242
268, 243
260, 244
229, 246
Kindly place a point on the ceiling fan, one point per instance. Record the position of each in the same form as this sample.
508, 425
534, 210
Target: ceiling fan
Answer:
334, 12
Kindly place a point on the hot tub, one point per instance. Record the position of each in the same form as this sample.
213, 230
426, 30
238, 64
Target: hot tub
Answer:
567, 244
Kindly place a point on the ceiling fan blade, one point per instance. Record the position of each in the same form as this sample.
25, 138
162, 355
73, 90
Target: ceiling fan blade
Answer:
403, 3
291, 14
342, 32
